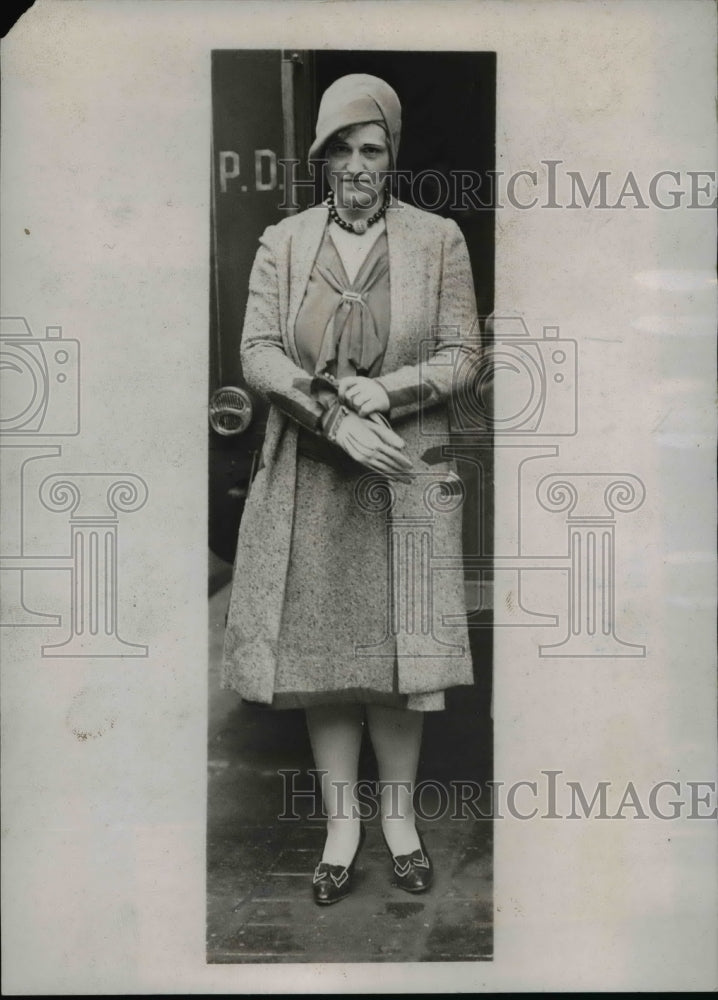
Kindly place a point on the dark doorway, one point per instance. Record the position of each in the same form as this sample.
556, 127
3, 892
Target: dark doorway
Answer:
264, 106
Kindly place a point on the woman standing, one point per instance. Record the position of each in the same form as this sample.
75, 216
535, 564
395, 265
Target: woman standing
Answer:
357, 324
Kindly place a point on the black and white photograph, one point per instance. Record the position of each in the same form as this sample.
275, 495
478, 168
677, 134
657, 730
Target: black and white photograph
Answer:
357, 497
360, 646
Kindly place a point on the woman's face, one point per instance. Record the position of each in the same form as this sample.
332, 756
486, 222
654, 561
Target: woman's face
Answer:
356, 157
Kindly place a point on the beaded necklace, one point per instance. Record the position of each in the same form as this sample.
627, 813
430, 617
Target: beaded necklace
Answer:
359, 227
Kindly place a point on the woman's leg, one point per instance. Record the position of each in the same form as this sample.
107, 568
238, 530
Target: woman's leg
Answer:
396, 737
335, 733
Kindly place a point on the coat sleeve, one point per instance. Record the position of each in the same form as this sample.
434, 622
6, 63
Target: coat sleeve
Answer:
265, 364
443, 369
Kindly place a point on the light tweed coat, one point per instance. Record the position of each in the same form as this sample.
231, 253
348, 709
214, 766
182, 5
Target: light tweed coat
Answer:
432, 310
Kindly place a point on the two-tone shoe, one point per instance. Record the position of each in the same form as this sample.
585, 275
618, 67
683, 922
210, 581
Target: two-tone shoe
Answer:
333, 882
413, 872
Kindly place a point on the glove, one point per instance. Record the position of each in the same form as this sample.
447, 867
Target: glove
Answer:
373, 444
364, 395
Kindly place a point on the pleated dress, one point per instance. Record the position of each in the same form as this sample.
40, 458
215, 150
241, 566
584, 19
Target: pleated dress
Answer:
338, 587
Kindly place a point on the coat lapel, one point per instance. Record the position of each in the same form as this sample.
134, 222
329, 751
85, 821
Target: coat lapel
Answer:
402, 290
302, 254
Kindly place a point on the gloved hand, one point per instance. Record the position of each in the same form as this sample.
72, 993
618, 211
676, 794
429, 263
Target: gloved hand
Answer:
374, 445
365, 395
